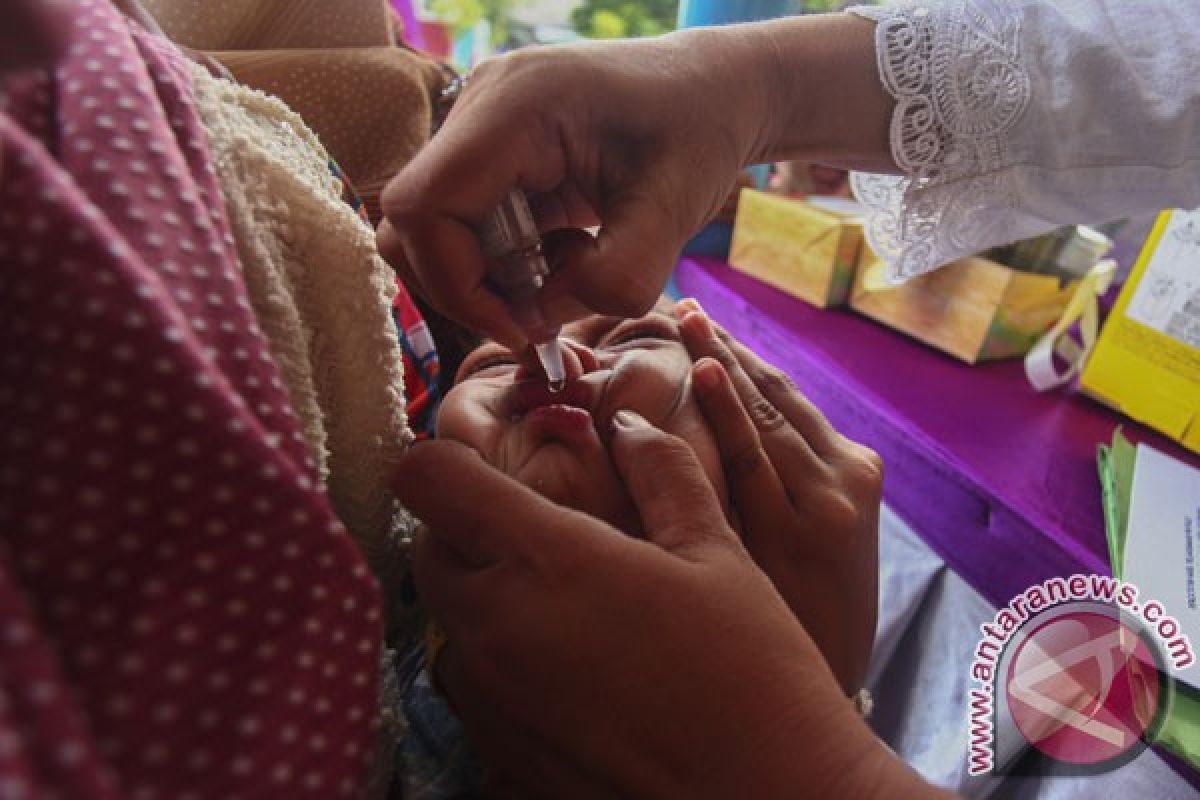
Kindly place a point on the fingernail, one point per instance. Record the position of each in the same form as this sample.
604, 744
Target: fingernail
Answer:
629, 420
688, 304
708, 373
698, 324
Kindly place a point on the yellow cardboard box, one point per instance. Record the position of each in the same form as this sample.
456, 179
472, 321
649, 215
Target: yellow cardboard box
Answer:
973, 309
806, 251
1147, 361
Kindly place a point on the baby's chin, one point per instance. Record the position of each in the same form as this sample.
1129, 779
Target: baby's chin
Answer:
560, 475
560, 455
554, 450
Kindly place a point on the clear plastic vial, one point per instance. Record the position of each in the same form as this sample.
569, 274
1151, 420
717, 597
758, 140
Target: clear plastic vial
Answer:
517, 268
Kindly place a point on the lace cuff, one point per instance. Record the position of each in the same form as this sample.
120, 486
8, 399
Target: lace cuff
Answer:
955, 70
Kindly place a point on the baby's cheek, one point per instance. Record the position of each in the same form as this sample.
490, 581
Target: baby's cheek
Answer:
462, 420
588, 485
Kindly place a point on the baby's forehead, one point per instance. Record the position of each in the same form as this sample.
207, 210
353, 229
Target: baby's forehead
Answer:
592, 329
587, 331
592, 332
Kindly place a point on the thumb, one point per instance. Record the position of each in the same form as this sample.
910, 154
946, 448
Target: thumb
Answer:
621, 271
678, 506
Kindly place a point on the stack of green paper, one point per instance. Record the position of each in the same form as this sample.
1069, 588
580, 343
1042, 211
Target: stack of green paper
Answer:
1180, 732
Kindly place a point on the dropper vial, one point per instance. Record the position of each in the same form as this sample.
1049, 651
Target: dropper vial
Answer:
550, 354
517, 269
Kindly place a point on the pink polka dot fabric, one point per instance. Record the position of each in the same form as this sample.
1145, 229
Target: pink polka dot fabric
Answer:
181, 615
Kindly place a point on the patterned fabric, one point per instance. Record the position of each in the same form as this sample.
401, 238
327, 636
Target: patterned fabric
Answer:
181, 615
960, 86
434, 761
1016, 117
422, 370
350, 195
333, 63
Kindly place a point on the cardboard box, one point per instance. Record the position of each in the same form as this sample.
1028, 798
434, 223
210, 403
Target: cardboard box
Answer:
973, 309
1146, 363
793, 245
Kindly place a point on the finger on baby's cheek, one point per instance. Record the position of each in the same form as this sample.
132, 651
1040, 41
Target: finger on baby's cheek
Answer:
708, 375
698, 336
718, 398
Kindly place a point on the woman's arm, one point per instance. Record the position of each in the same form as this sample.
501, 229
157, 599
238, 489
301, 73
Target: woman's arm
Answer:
1014, 117
643, 137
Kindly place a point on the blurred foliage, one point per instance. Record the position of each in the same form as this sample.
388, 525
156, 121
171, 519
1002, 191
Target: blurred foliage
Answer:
821, 6
464, 15
615, 19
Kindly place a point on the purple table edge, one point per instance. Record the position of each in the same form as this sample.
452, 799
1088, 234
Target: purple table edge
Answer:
998, 479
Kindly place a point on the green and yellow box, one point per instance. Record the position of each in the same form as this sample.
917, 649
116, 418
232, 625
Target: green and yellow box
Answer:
809, 252
974, 309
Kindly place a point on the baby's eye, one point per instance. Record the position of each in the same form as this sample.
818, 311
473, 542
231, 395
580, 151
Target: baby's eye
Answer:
651, 330
484, 364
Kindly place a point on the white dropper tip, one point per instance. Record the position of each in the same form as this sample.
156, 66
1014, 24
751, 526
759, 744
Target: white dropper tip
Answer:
550, 354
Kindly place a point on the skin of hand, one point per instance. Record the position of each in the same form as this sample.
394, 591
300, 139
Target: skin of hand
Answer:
807, 513
643, 138
806, 498
585, 663
556, 442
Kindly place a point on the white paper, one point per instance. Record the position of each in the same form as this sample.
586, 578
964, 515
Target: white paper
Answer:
1168, 297
1162, 547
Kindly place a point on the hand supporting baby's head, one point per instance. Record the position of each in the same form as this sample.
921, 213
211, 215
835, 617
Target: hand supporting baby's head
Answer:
556, 443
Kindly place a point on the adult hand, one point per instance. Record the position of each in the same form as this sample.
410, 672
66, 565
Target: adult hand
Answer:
643, 138
585, 663
614, 135
806, 497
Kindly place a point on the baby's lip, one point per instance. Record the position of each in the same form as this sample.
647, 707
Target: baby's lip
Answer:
527, 395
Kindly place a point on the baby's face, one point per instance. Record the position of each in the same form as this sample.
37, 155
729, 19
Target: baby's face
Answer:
555, 443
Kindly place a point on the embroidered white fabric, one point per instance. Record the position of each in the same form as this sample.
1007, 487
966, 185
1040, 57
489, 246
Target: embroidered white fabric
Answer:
955, 72
1014, 117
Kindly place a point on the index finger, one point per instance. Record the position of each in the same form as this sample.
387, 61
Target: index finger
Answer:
438, 203
778, 387
760, 384
458, 287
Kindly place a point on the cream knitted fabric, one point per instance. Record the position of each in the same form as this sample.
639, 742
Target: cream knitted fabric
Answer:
323, 297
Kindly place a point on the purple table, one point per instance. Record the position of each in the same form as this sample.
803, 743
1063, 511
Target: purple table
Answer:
999, 479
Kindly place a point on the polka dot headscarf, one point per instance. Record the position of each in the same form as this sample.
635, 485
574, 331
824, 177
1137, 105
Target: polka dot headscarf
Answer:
180, 613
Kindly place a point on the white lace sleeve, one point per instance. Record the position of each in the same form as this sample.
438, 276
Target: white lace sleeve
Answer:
1014, 117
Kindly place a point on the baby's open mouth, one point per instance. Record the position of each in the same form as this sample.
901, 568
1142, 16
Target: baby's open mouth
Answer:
529, 395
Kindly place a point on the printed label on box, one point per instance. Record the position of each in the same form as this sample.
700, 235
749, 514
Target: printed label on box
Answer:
1168, 297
